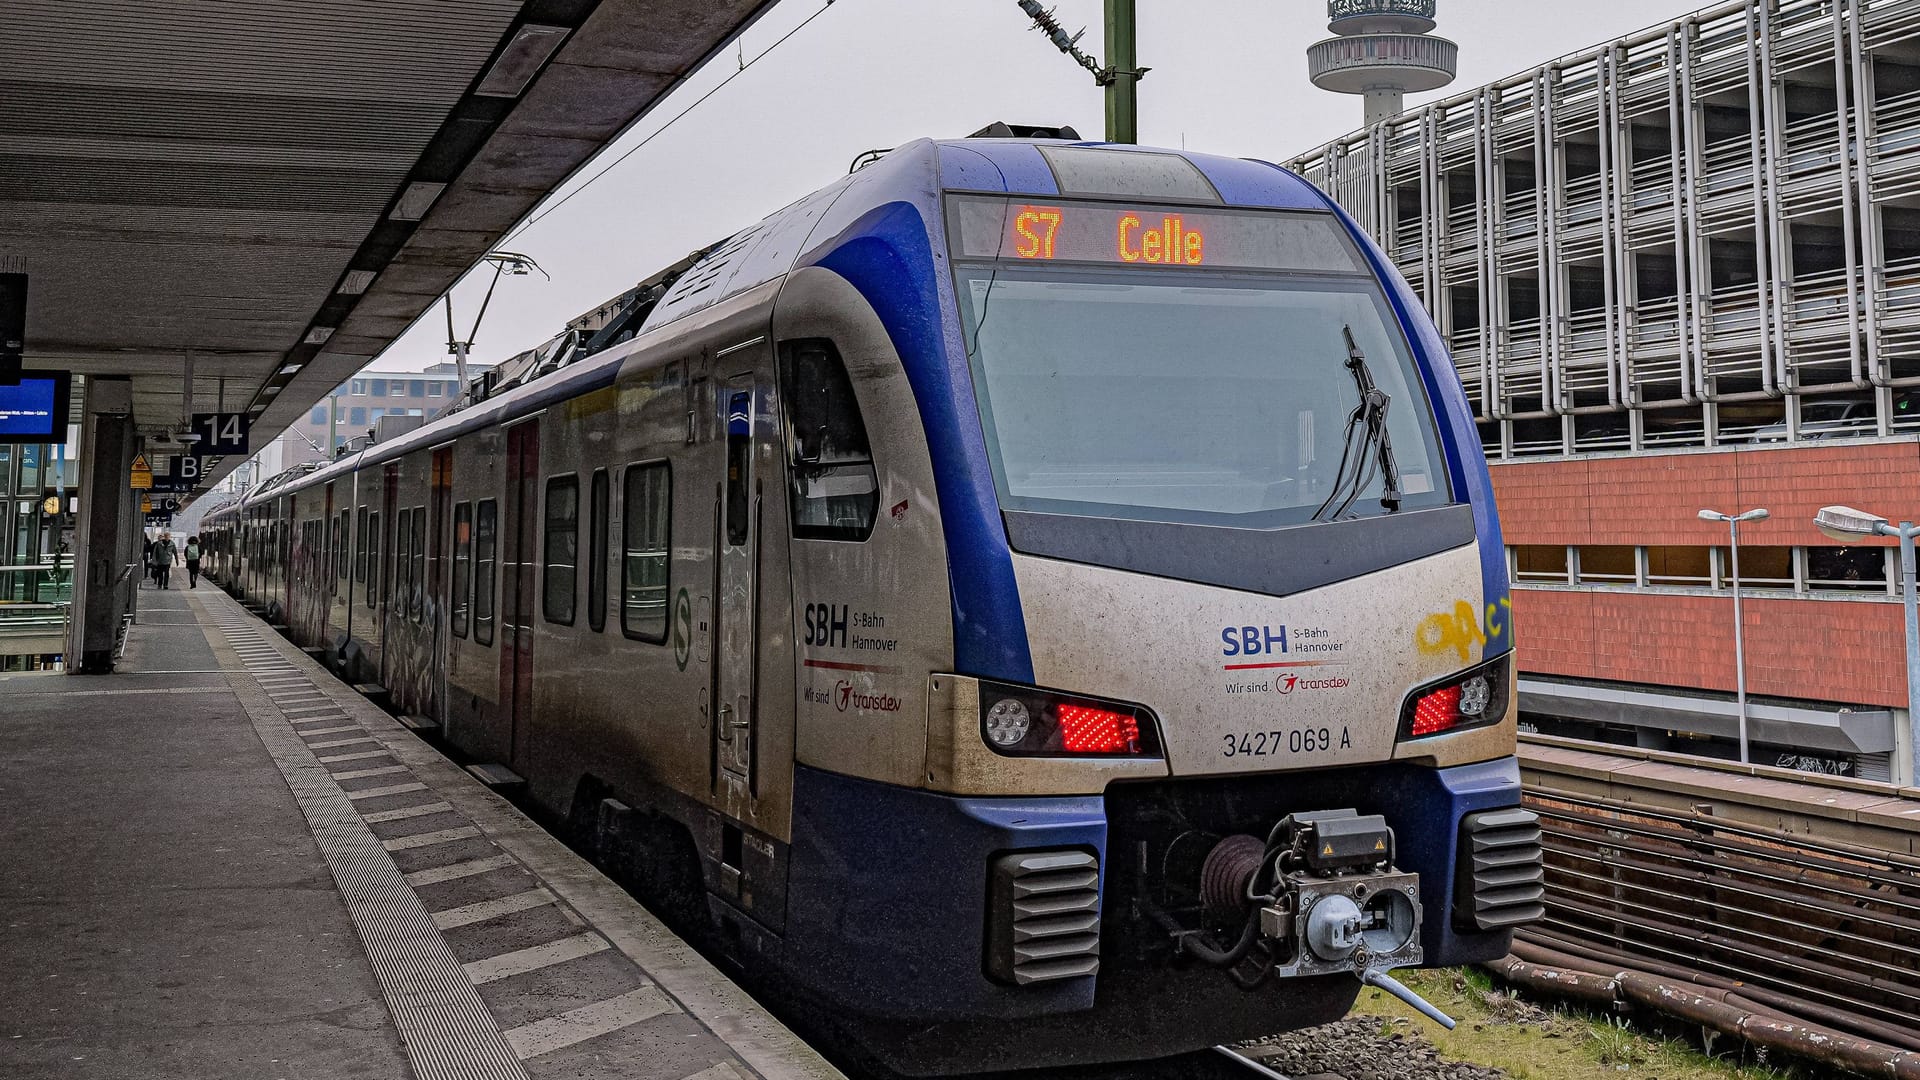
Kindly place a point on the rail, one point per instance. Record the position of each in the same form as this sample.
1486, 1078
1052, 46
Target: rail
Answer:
1795, 897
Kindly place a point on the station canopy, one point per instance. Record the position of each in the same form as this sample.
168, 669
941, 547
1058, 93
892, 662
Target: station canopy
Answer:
267, 194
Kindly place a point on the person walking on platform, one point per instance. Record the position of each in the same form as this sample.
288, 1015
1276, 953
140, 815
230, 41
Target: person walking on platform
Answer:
165, 554
146, 557
193, 562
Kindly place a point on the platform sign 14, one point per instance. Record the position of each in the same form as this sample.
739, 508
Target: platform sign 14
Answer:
221, 433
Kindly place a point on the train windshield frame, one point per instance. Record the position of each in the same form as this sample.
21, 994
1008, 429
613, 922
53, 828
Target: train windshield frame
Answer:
1188, 395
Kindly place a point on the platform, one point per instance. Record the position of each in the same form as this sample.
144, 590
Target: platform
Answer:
220, 861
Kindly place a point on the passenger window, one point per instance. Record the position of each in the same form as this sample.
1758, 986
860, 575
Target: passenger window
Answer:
739, 463
833, 493
360, 546
486, 524
417, 576
558, 574
462, 566
648, 501
397, 595
340, 550
373, 558
597, 552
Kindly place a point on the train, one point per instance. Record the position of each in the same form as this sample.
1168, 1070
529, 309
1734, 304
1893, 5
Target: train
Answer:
1041, 600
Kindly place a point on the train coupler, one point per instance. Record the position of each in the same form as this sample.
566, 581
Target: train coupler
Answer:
1327, 899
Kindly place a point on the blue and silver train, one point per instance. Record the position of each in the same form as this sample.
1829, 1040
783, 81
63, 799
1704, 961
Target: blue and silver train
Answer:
1043, 599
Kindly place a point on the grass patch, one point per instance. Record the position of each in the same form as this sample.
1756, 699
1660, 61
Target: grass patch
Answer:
1532, 1043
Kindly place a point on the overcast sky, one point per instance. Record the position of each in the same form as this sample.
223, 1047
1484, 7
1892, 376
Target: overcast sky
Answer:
1229, 77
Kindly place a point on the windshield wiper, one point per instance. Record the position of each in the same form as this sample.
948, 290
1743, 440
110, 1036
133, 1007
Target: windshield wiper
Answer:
1369, 418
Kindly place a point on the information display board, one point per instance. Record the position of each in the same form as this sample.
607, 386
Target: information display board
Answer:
35, 410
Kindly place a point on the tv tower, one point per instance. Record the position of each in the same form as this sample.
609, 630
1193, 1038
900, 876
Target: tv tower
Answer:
1383, 51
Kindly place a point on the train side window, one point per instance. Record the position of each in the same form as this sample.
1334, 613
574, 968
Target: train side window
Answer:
359, 546
397, 580
647, 501
417, 575
486, 524
342, 565
559, 572
462, 567
597, 551
373, 558
833, 492
330, 553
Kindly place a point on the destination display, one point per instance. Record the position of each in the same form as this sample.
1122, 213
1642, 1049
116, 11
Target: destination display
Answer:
1150, 236
35, 410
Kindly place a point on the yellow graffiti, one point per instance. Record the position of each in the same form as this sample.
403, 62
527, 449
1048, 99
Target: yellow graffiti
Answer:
1462, 630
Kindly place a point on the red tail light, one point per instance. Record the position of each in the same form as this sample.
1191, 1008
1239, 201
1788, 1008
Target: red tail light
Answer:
1087, 730
1437, 711
1021, 721
1473, 698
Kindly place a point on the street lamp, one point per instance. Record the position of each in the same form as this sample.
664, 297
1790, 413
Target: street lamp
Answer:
1847, 525
1739, 640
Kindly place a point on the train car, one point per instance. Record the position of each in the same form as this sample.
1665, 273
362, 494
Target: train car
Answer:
1044, 599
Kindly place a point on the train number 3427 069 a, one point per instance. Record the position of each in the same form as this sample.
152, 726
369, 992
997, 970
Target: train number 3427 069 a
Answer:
1305, 740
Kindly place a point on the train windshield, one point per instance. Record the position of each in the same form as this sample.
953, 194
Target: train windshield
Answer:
1189, 396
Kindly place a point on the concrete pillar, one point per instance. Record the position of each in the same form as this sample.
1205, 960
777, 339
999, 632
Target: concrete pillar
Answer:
1903, 763
106, 543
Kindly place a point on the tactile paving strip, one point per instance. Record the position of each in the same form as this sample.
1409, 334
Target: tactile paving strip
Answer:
553, 997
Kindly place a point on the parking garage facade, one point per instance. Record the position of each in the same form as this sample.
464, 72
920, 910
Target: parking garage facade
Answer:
1680, 271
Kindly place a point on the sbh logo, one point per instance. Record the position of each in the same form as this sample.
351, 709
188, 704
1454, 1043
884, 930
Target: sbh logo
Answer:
1253, 640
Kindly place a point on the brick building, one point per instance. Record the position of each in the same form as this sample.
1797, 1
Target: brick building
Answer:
1681, 271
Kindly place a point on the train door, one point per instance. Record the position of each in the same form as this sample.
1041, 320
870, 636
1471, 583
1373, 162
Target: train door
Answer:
518, 530
735, 666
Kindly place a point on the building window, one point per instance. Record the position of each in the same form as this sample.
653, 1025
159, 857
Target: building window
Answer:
462, 566
318, 415
434, 389
832, 491
597, 552
376, 414
1862, 569
1760, 567
647, 501
379, 387
359, 387
357, 416
416, 388
417, 583
1679, 566
1540, 563
485, 526
399, 388
559, 572
1608, 565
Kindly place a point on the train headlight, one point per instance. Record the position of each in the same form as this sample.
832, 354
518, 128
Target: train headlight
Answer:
1475, 693
1008, 722
1473, 698
1021, 721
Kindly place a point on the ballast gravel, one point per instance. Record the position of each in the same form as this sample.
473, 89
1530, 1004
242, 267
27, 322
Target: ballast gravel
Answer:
1356, 1049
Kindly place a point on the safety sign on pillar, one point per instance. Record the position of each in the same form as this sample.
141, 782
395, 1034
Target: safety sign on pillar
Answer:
142, 474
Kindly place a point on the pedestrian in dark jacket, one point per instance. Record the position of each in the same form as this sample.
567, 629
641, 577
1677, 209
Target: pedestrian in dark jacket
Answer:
146, 560
165, 554
193, 562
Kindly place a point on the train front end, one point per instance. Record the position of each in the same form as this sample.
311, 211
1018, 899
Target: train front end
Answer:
1230, 726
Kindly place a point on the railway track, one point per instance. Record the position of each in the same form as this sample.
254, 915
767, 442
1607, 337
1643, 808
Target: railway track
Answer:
1777, 905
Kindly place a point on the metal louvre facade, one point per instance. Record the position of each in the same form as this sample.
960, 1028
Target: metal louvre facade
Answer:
1704, 234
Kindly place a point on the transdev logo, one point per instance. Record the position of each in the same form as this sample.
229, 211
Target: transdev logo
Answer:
1287, 684
845, 697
